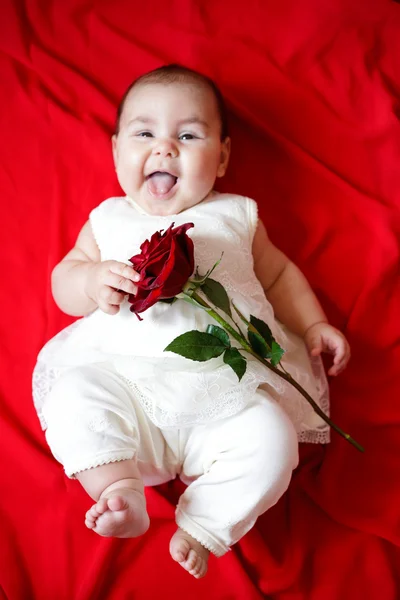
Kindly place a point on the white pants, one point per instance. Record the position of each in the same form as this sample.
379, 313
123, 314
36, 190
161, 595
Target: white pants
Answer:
235, 468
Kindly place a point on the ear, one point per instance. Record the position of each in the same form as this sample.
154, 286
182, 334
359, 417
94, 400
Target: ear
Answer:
114, 150
224, 160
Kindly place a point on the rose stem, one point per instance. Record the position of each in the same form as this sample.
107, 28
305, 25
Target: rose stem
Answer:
246, 346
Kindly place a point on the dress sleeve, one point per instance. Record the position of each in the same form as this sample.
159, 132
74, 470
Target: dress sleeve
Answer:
252, 217
99, 219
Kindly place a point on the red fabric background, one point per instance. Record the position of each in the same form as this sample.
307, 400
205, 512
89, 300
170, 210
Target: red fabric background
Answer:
314, 94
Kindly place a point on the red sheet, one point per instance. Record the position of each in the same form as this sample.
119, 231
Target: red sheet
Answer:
313, 89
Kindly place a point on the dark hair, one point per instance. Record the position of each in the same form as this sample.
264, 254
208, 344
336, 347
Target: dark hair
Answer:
178, 74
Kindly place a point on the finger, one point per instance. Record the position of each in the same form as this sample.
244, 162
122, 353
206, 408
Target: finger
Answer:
124, 271
120, 283
316, 351
342, 357
339, 357
314, 344
339, 354
337, 368
341, 365
334, 372
108, 295
109, 309
347, 355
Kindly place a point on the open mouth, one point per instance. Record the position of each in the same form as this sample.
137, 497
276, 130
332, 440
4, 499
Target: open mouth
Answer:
161, 183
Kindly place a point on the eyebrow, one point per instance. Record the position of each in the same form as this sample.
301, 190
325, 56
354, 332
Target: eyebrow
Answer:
194, 120
190, 120
141, 120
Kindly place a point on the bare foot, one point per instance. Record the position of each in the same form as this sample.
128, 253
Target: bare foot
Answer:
189, 553
121, 512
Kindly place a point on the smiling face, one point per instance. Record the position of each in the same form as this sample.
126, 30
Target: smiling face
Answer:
168, 150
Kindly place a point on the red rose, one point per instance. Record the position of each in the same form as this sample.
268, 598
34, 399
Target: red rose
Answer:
165, 264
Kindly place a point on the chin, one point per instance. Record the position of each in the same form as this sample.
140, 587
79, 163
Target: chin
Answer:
164, 206
163, 209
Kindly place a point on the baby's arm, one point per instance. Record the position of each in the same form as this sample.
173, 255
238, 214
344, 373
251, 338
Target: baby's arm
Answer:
81, 282
294, 302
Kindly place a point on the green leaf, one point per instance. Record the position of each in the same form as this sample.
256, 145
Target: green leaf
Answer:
271, 349
197, 345
220, 334
215, 292
236, 361
263, 329
258, 344
276, 353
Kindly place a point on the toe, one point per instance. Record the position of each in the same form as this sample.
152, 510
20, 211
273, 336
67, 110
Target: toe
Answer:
94, 512
101, 506
191, 561
90, 520
199, 569
179, 555
91, 514
117, 503
179, 552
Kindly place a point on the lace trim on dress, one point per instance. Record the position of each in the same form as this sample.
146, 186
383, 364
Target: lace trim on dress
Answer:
228, 405
97, 462
322, 435
315, 437
185, 523
42, 381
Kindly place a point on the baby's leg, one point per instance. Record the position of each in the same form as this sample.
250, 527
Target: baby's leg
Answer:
120, 510
94, 429
236, 469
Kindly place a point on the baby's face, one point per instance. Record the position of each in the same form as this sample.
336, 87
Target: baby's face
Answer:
168, 151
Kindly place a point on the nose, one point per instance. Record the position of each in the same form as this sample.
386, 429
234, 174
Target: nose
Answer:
165, 149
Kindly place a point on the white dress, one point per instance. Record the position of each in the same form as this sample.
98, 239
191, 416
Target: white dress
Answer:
175, 391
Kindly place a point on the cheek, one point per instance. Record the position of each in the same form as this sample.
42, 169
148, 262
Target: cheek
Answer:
130, 159
203, 163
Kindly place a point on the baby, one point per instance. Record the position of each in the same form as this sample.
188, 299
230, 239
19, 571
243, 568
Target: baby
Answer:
121, 413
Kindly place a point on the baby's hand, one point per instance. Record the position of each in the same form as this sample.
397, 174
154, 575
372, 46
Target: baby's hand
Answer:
108, 283
322, 337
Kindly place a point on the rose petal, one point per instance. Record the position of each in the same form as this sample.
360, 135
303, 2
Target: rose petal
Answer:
165, 264
141, 304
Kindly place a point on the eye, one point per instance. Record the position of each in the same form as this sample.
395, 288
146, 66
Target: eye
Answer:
144, 134
187, 136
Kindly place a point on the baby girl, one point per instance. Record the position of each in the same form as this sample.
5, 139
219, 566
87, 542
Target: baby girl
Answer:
120, 412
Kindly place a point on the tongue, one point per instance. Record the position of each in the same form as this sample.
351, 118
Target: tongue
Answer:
161, 183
